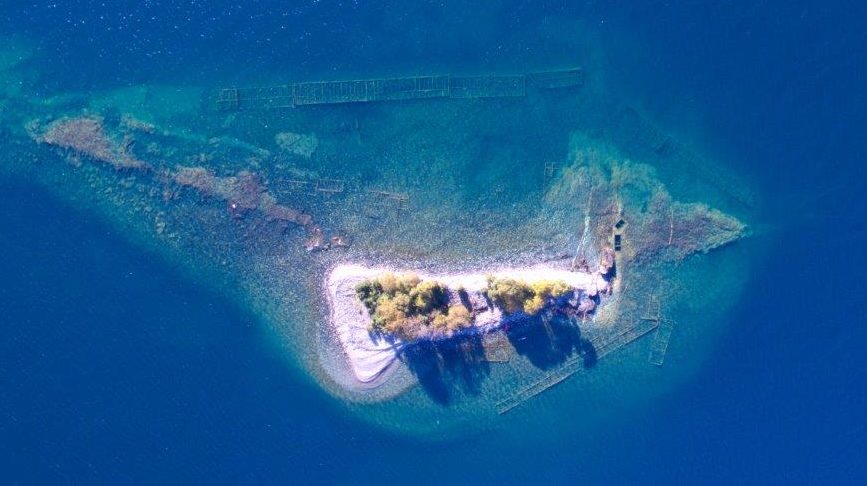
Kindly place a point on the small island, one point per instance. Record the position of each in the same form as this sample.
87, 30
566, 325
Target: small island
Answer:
378, 312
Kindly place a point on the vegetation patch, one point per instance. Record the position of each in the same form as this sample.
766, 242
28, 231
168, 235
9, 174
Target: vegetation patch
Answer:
518, 296
407, 307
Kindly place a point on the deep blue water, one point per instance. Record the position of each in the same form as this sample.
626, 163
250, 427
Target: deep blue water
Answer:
100, 384
113, 366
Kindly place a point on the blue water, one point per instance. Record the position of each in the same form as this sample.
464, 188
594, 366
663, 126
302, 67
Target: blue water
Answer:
114, 368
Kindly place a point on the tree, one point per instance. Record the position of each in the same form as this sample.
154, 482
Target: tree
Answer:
516, 296
368, 293
405, 306
508, 293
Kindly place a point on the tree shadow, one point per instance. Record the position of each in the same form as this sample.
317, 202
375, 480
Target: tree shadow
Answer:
588, 353
446, 366
547, 342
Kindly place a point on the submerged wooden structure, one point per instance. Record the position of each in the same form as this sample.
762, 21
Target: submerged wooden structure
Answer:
575, 364
660, 342
395, 89
603, 345
664, 328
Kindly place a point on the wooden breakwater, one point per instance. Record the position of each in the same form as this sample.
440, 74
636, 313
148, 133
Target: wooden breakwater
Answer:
395, 89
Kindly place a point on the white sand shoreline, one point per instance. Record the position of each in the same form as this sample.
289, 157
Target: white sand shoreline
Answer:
371, 357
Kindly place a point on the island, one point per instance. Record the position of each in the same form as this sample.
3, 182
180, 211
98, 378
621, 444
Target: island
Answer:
376, 313
420, 264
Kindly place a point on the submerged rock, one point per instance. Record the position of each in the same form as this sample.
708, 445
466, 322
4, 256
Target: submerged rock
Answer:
86, 135
607, 259
243, 192
315, 240
586, 305
90, 137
